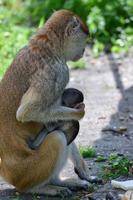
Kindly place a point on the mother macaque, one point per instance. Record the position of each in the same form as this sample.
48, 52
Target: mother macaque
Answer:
29, 99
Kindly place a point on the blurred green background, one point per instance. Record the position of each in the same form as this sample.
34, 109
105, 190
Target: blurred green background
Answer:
110, 23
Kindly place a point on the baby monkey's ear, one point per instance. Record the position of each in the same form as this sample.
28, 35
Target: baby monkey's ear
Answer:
72, 27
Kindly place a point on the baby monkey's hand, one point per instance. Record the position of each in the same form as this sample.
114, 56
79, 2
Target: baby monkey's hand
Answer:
80, 106
81, 109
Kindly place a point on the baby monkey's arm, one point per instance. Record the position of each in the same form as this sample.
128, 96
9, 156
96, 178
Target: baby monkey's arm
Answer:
72, 98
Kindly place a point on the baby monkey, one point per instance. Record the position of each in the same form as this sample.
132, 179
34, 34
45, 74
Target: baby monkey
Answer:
72, 98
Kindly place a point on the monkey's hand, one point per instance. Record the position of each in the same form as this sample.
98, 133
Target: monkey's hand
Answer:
81, 108
30, 109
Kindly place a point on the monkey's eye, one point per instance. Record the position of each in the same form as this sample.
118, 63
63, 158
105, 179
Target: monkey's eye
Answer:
73, 27
76, 23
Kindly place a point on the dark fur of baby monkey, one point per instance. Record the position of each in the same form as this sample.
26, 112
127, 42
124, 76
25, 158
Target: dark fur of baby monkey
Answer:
71, 97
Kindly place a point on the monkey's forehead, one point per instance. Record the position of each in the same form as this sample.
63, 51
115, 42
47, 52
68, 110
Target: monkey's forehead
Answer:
66, 15
83, 25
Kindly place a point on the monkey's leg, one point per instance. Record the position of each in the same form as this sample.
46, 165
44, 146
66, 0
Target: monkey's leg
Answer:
51, 190
39, 166
74, 184
80, 166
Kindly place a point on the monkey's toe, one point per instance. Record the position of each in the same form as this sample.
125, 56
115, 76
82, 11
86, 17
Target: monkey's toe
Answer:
64, 192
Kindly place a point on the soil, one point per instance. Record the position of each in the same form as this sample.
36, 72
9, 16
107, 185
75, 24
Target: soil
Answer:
107, 84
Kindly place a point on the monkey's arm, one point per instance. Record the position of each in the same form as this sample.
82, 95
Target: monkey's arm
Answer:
34, 144
31, 109
70, 129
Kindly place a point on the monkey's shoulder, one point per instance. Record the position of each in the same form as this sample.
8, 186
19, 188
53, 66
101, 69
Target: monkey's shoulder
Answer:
51, 73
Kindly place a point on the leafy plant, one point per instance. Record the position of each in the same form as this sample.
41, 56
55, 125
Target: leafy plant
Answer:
92, 188
116, 166
12, 35
16, 198
110, 24
80, 64
100, 158
87, 152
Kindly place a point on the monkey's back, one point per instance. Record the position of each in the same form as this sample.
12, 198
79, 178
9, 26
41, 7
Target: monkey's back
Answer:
17, 159
14, 84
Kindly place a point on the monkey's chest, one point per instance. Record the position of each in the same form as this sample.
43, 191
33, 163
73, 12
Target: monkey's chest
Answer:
61, 78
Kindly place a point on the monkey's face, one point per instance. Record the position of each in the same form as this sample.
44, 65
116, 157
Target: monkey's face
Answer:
71, 31
76, 34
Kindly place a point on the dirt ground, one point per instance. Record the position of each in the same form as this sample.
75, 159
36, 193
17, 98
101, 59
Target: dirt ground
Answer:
107, 84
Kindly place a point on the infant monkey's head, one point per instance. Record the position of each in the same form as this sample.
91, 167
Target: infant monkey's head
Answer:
71, 97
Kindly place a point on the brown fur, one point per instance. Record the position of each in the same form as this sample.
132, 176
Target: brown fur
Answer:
19, 165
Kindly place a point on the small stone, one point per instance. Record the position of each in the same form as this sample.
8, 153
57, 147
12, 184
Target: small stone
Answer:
120, 154
95, 198
115, 129
127, 110
131, 170
131, 116
112, 196
121, 118
127, 136
103, 117
17, 193
122, 129
96, 180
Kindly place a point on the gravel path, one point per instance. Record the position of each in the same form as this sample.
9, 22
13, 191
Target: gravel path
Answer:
107, 84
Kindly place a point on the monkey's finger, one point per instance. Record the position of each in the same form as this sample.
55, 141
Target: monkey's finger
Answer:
80, 106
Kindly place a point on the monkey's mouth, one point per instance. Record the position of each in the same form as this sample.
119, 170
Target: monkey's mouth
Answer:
77, 57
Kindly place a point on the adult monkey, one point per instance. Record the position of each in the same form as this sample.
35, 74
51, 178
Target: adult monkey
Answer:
29, 93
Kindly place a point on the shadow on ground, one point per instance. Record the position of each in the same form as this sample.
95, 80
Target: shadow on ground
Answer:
122, 119
117, 142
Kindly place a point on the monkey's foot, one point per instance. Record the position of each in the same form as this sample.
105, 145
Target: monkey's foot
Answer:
73, 184
51, 190
81, 185
83, 174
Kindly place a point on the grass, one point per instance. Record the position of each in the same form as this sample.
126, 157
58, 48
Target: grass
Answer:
18, 17
14, 32
80, 64
113, 166
92, 188
87, 152
11, 41
116, 166
100, 158
16, 198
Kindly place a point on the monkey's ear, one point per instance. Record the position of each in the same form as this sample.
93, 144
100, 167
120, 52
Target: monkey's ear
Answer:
72, 27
